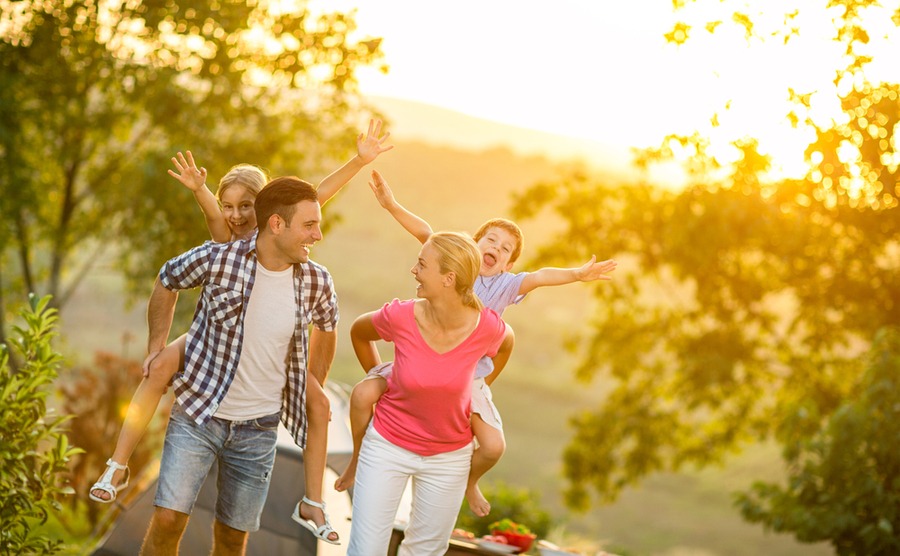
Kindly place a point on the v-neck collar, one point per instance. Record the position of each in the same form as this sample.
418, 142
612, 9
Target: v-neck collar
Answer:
454, 348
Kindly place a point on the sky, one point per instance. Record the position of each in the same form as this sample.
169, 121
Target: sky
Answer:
599, 69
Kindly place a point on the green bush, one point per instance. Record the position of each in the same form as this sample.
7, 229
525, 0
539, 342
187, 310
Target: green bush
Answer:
517, 504
843, 478
34, 450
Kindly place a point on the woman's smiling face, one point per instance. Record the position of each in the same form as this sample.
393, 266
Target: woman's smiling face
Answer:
427, 271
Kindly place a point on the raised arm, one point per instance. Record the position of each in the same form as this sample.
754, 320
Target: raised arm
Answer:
363, 336
160, 312
195, 179
412, 223
549, 276
368, 147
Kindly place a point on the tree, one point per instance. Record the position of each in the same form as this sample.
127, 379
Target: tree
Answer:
844, 479
34, 449
97, 95
743, 304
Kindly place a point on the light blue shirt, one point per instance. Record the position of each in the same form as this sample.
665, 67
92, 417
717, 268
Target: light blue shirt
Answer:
497, 292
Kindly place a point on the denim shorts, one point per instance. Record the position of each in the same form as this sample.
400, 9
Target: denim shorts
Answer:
245, 452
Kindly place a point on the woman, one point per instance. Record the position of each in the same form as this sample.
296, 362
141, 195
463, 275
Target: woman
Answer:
421, 426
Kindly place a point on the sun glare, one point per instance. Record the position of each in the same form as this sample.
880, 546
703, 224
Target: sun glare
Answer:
604, 71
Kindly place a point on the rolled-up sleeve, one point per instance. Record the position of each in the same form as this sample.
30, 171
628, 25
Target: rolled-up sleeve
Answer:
325, 314
188, 270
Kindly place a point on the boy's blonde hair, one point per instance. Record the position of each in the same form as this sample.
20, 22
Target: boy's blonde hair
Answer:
510, 227
459, 254
250, 177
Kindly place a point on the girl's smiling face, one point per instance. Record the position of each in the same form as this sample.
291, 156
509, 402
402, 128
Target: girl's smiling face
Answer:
496, 248
238, 210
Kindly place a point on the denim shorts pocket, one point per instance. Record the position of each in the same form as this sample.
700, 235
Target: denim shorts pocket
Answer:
268, 422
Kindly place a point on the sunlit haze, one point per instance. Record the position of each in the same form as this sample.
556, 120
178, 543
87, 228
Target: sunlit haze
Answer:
600, 70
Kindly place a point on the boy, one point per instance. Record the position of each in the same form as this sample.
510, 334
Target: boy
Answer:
500, 242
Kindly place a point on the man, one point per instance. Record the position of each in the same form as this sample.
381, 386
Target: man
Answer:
246, 361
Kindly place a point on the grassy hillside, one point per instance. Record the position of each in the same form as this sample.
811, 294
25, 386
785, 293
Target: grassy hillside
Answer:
370, 257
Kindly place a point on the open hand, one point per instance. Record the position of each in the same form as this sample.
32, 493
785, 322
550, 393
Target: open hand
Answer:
382, 192
188, 174
592, 270
371, 144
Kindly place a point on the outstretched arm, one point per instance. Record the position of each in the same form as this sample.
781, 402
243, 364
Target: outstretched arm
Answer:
502, 357
412, 223
195, 179
590, 271
363, 336
160, 312
368, 147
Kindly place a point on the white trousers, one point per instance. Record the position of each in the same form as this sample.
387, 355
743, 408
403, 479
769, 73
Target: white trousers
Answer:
438, 487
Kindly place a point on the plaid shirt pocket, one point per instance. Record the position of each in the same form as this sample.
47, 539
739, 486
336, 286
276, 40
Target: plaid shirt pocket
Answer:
225, 306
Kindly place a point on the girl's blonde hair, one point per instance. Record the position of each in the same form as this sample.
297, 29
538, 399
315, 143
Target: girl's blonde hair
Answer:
459, 254
250, 177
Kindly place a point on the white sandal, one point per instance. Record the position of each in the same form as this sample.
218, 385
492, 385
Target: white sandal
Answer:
322, 531
105, 482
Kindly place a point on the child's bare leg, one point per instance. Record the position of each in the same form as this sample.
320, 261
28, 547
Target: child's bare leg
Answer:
364, 396
491, 445
143, 405
318, 412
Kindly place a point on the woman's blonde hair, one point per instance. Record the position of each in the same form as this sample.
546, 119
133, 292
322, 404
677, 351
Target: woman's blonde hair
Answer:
250, 177
459, 254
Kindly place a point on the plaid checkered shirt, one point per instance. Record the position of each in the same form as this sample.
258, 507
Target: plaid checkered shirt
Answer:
226, 272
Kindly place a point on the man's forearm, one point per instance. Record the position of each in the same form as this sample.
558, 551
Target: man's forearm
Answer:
160, 312
322, 347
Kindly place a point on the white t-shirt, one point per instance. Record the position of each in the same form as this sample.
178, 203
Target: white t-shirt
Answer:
256, 389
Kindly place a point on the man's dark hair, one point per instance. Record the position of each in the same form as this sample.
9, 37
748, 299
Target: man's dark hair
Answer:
279, 197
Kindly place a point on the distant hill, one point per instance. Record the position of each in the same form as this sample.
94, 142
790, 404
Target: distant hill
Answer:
416, 121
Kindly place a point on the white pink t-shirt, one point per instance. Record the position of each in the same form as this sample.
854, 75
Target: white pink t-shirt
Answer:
427, 404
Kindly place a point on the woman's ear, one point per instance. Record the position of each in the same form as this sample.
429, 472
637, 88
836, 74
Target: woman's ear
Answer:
449, 279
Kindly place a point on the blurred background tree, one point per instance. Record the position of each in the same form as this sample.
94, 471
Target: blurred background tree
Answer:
96, 96
745, 303
843, 484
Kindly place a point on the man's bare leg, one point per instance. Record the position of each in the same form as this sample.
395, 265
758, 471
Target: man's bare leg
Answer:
228, 541
164, 535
